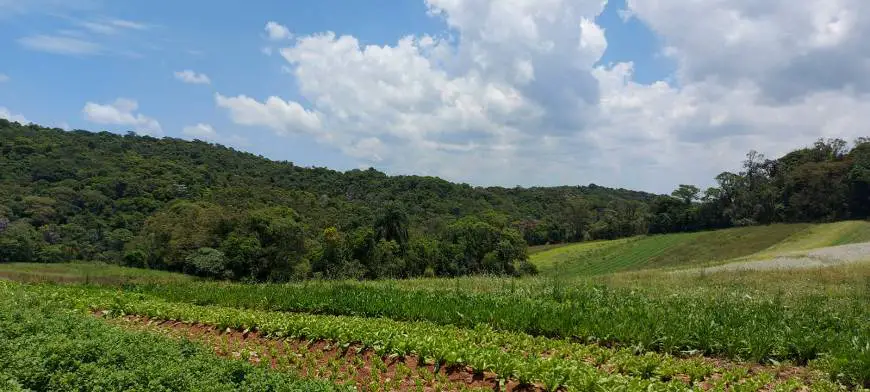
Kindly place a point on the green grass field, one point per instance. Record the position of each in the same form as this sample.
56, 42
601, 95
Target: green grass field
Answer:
94, 273
694, 249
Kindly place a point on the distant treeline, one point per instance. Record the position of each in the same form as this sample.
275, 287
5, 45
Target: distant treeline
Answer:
209, 210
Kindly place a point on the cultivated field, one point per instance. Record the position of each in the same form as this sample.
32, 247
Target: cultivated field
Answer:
602, 316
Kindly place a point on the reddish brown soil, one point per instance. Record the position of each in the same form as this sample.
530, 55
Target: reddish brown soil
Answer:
364, 368
328, 360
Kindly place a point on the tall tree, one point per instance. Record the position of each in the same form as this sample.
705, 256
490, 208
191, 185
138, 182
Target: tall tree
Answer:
392, 225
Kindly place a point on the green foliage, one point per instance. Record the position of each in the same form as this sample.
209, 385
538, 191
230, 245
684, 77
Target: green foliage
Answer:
48, 348
787, 322
141, 201
663, 251
757, 330
92, 273
19, 242
208, 262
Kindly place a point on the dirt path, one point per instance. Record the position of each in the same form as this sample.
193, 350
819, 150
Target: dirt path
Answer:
824, 257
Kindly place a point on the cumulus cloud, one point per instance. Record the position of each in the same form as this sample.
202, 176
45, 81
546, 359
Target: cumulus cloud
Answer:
789, 49
58, 44
277, 32
283, 117
122, 112
189, 76
513, 93
8, 115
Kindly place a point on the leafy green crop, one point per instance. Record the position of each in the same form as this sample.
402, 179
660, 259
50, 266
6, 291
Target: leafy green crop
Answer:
44, 347
551, 362
714, 322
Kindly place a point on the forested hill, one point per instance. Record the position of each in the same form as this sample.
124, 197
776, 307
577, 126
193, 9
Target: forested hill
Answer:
210, 210
130, 199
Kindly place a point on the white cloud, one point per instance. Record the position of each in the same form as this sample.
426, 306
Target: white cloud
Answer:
277, 32
189, 76
201, 131
368, 149
112, 26
207, 133
8, 115
128, 24
790, 49
60, 45
122, 112
283, 117
3, 78
99, 28
592, 38
513, 95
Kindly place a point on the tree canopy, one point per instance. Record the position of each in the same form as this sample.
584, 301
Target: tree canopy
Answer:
209, 210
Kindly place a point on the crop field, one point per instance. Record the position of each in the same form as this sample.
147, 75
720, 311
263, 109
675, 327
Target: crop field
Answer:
643, 328
448, 354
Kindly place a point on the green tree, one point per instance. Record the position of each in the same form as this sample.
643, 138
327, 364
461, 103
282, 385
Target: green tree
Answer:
19, 242
392, 225
686, 193
578, 214
207, 262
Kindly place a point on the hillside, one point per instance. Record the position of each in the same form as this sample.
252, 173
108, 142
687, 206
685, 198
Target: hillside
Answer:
208, 210
695, 249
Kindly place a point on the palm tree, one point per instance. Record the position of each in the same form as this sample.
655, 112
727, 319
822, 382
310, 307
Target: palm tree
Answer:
392, 225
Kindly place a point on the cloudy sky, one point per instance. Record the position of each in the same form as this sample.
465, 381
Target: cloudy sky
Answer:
642, 94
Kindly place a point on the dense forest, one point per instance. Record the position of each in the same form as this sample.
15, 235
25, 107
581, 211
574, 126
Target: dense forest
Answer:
210, 210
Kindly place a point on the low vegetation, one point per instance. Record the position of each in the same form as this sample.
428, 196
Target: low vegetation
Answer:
646, 329
548, 363
801, 319
694, 249
47, 347
87, 273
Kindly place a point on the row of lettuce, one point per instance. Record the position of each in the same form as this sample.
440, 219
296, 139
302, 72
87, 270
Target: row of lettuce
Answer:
551, 363
760, 328
46, 347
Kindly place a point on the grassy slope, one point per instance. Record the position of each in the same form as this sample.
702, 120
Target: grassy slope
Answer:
96, 273
687, 249
820, 236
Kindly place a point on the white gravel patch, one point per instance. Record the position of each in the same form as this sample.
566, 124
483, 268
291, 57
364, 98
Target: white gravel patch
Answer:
823, 257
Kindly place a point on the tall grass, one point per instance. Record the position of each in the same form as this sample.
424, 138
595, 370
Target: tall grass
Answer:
96, 273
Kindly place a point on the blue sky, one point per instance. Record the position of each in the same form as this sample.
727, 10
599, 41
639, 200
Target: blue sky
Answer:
484, 91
